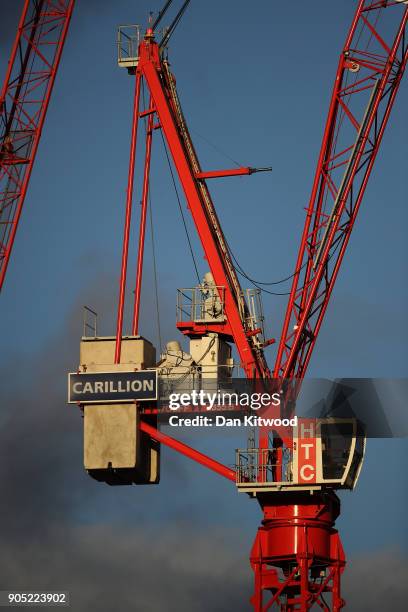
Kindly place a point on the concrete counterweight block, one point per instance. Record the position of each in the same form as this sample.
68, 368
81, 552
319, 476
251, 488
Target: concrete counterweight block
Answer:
115, 451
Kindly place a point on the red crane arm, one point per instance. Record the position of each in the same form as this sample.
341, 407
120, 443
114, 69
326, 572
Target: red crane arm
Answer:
24, 100
367, 80
188, 451
161, 84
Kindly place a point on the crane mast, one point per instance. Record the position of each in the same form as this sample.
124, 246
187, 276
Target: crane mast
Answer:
24, 100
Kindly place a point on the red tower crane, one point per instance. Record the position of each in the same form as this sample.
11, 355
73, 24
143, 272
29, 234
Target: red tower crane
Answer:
297, 555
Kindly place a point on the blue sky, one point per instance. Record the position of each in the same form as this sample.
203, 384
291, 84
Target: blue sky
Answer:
256, 83
255, 80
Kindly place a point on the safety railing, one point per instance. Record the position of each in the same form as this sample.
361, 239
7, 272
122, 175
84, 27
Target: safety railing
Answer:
209, 378
128, 45
261, 466
90, 323
201, 304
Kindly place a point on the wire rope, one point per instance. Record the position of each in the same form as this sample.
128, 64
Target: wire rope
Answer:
180, 208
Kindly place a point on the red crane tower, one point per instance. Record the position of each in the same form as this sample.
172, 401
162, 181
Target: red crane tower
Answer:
297, 557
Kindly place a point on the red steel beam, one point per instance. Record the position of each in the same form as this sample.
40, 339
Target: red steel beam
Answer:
222, 173
128, 216
24, 100
356, 121
142, 226
189, 452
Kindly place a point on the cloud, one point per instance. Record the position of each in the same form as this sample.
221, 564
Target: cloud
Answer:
144, 548
41, 471
128, 568
376, 582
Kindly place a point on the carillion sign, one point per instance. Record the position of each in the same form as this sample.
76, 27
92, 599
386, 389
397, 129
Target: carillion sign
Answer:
101, 387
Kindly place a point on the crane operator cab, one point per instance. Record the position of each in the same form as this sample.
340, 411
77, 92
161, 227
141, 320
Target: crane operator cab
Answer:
322, 453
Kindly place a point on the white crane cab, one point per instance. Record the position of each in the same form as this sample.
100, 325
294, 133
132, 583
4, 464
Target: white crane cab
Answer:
323, 453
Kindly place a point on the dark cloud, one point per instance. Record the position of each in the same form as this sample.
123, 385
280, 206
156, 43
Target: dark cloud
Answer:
131, 548
41, 471
107, 568
137, 548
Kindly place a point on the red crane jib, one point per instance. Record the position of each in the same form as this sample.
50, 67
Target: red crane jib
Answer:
24, 100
